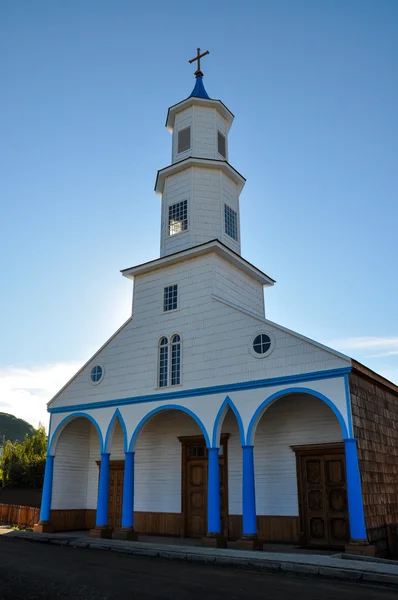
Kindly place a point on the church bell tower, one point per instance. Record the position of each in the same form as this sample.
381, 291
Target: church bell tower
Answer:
199, 189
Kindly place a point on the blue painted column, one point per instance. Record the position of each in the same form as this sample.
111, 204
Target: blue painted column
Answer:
103, 491
249, 493
354, 491
45, 510
213, 494
128, 491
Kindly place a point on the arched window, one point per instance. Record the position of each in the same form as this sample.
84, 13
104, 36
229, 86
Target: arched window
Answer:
169, 376
163, 361
175, 360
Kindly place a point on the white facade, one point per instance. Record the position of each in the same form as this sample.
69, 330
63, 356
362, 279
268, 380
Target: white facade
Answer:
295, 394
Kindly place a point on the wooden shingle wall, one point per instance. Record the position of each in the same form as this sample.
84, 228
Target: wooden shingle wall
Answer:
375, 421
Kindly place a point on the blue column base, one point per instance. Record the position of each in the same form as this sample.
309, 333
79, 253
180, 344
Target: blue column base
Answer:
360, 548
43, 527
125, 533
214, 540
101, 532
249, 542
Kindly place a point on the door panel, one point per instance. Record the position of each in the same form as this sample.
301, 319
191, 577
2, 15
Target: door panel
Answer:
116, 478
324, 497
196, 497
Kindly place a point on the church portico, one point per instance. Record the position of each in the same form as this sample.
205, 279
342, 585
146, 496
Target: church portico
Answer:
163, 471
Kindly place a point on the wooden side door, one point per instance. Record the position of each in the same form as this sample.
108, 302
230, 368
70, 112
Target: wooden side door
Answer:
196, 490
116, 479
322, 495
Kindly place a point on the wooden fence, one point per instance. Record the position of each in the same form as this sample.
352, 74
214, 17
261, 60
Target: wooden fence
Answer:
21, 516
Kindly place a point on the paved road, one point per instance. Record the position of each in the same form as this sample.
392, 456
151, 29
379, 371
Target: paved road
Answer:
31, 571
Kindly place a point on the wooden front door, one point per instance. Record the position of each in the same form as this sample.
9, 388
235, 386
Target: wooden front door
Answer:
322, 495
194, 486
116, 478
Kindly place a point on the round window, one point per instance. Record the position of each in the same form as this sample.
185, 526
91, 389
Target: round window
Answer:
261, 344
96, 374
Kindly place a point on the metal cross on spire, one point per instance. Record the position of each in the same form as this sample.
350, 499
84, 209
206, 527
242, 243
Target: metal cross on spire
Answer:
198, 72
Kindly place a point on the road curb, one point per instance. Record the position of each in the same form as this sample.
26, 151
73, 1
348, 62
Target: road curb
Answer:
222, 559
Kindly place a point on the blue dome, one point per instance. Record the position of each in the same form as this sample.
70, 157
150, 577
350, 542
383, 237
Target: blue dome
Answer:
199, 89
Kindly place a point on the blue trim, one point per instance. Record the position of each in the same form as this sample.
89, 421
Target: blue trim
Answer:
354, 491
116, 415
45, 510
257, 415
128, 491
218, 389
103, 492
213, 493
249, 521
348, 404
221, 415
73, 416
161, 409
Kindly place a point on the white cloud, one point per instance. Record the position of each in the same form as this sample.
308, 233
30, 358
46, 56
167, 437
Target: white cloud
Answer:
378, 352
381, 346
24, 392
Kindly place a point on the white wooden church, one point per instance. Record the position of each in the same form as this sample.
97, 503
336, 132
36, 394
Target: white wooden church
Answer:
200, 417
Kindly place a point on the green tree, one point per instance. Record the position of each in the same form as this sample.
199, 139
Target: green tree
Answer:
22, 463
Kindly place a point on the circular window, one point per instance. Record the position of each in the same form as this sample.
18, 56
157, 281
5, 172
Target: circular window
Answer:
261, 346
96, 374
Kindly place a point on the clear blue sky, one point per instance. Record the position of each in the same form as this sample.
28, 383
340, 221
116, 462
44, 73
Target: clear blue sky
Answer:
85, 91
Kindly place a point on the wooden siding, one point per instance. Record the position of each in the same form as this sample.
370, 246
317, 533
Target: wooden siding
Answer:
158, 462
230, 427
236, 287
204, 123
375, 420
71, 466
92, 470
117, 442
269, 528
72, 519
75, 482
158, 523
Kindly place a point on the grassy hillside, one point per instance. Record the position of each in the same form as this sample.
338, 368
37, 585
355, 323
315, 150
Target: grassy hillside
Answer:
13, 429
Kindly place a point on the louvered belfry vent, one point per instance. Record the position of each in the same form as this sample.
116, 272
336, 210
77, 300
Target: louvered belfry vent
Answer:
222, 145
184, 139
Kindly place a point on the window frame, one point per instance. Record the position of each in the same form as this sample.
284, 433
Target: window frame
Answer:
227, 206
169, 347
170, 285
167, 219
178, 139
175, 344
93, 366
166, 347
270, 349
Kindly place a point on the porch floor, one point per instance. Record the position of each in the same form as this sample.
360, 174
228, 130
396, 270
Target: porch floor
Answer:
179, 541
